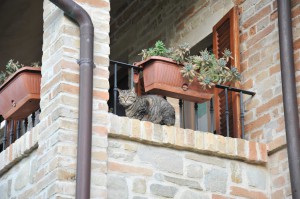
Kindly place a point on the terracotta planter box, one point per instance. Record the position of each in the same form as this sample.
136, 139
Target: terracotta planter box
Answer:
20, 94
162, 76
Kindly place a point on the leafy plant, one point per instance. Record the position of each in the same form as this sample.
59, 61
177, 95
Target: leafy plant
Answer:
11, 67
205, 67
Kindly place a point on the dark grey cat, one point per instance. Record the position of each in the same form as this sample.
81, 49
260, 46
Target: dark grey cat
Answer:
147, 107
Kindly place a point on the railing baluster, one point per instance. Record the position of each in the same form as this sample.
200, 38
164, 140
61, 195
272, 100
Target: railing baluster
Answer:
33, 119
4, 139
18, 129
131, 74
227, 112
25, 125
115, 88
181, 113
242, 114
212, 121
196, 116
11, 132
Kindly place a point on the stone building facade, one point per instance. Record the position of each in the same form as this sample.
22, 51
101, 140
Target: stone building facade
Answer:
134, 159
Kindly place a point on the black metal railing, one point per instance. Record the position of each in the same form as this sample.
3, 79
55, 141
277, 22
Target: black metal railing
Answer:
227, 89
116, 65
14, 129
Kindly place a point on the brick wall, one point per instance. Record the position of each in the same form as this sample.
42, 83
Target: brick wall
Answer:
260, 64
174, 22
261, 69
48, 169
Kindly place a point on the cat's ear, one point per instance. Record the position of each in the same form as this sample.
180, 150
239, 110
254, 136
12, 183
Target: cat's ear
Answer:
132, 90
119, 90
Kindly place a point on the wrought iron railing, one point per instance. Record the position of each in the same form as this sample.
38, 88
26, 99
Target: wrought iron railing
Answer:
227, 89
11, 130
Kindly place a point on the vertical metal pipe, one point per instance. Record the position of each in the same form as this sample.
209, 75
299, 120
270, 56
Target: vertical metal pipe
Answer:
86, 65
226, 112
211, 109
289, 93
115, 88
196, 116
4, 139
242, 114
11, 132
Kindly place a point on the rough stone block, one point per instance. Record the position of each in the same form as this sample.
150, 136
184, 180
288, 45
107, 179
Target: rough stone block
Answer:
163, 159
117, 187
215, 180
257, 177
139, 186
184, 182
206, 159
163, 190
194, 171
236, 172
189, 194
23, 177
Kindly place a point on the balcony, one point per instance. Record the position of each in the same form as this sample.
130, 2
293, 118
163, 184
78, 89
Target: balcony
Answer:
220, 120
12, 130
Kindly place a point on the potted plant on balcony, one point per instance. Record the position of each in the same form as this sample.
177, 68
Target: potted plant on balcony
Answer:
19, 90
174, 73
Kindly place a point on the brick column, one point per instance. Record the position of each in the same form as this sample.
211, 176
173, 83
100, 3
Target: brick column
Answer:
59, 101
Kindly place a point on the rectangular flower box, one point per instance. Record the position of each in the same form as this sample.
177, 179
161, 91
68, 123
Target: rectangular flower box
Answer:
20, 93
162, 76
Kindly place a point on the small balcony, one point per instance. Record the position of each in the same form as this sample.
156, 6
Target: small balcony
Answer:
11, 130
218, 116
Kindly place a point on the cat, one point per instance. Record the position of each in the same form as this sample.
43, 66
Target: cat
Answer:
151, 108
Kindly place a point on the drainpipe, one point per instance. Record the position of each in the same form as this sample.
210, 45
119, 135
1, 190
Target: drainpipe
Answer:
86, 64
289, 93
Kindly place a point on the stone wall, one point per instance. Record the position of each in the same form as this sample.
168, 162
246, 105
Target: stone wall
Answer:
152, 161
18, 163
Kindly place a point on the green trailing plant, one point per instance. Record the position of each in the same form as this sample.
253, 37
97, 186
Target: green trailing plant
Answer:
205, 67
11, 67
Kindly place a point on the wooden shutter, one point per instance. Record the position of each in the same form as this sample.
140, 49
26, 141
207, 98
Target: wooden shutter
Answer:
226, 35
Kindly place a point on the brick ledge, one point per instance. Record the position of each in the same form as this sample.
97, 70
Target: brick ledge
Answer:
186, 139
20, 149
276, 145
